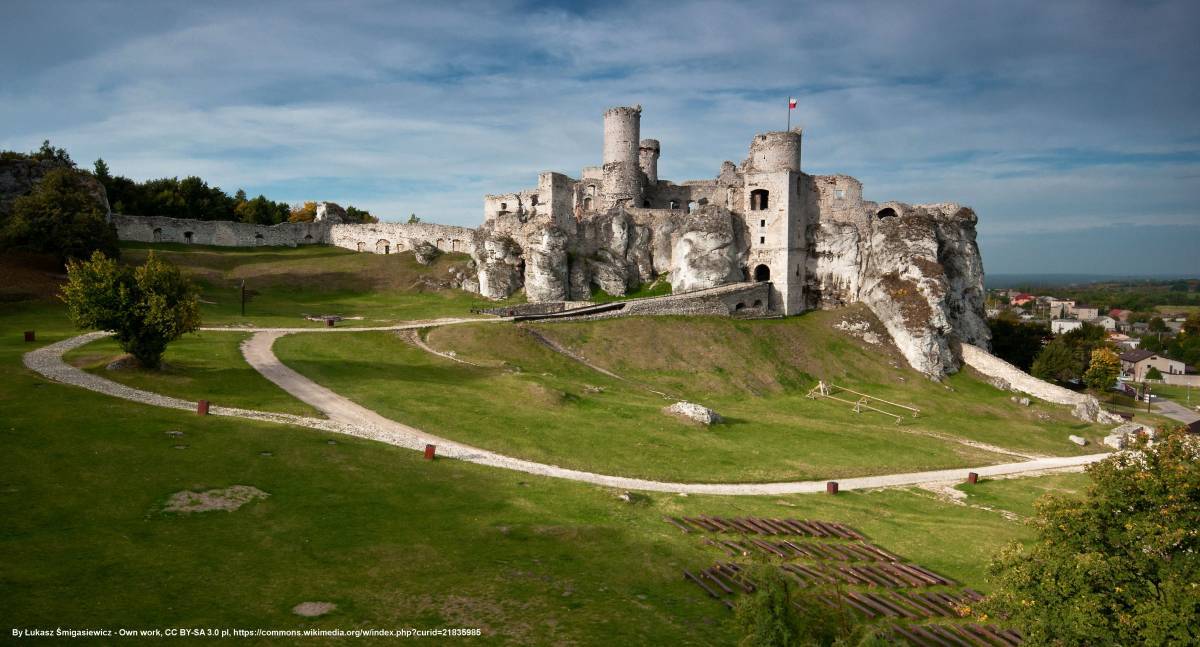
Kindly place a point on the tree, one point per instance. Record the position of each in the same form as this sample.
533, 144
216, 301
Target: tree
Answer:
1154, 373
1103, 370
1191, 325
362, 216
146, 307
1158, 325
1057, 362
779, 614
1118, 566
1017, 343
48, 153
101, 172
413, 219
306, 212
61, 216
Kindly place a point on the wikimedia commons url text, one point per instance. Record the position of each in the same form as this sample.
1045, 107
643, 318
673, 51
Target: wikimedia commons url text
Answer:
34, 633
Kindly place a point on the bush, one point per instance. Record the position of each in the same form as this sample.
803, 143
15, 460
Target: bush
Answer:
1119, 566
146, 307
61, 216
778, 614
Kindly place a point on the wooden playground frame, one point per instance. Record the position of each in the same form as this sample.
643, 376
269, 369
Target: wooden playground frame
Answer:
823, 390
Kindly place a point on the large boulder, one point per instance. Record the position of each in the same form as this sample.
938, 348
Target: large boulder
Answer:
546, 277
498, 260
425, 252
708, 252
693, 412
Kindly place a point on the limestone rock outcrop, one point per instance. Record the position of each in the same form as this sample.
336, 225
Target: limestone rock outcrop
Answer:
499, 263
693, 412
425, 252
19, 174
709, 252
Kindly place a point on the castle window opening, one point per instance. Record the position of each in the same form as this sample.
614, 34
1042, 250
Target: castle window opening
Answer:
691, 206
187, 237
533, 200
740, 306
674, 204
762, 223
887, 213
839, 194
587, 204
762, 273
759, 199
591, 189
758, 303
382, 247
441, 243
258, 240
503, 206
646, 203
762, 240
703, 201
158, 234
454, 245
361, 246
308, 238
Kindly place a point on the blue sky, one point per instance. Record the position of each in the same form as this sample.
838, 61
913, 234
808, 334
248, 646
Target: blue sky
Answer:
1072, 128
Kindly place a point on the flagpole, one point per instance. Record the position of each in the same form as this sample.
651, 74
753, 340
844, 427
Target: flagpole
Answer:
789, 114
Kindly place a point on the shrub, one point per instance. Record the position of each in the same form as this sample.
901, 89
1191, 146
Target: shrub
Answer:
61, 216
146, 307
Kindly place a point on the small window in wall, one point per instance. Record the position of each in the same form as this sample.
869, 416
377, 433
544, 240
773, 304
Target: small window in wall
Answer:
533, 200
674, 204
762, 223
703, 201
361, 246
759, 199
503, 206
691, 206
740, 306
187, 237
591, 189
839, 194
758, 303
308, 238
258, 240
646, 204
762, 240
887, 213
441, 243
157, 234
587, 204
762, 273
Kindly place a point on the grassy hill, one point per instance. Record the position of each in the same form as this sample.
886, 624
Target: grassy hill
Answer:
397, 541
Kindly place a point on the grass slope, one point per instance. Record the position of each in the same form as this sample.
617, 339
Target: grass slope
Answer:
393, 540
288, 283
528, 401
204, 365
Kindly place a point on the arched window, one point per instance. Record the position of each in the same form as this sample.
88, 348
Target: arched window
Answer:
591, 189
187, 237
646, 203
361, 246
887, 213
674, 204
441, 243
691, 206
158, 234
308, 238
533, 200
740, 306
758, 303
382, 247
587, 204
258, 240
762, 273
759, 199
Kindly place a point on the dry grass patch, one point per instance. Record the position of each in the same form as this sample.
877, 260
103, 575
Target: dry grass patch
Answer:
227, 499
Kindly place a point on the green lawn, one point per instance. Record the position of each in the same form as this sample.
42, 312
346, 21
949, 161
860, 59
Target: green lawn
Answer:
529, 402
393, 540
1018, 495
1187, 396
204, 365
287, 284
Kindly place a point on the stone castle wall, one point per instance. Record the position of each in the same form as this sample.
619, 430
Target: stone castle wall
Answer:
377, 238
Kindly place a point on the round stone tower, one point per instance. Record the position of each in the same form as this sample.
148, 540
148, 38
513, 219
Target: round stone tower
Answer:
776, 151
622, 176
648, 159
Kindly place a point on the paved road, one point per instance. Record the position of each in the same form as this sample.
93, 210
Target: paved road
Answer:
349, 418
1176, 411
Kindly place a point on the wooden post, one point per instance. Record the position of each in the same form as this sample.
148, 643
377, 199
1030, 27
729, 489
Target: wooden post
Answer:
243, 297
202, 408
30, 336
972, 478
831, 487
329, 323
430, 450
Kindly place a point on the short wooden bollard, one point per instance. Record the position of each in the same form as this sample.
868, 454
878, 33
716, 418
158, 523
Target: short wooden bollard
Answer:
329, 323
831, 487
202, 408
30, 336
972, 478
429, 452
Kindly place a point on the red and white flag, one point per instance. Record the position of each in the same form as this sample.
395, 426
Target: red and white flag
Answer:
791, 103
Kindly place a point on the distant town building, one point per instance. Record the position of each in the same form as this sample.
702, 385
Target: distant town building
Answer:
1061, 326
1136, 363
1059, 308
1119, 314
1084, 313
1107, 323
1021, 299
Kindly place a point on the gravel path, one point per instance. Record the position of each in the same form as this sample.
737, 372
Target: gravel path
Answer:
1175, 411
346, 417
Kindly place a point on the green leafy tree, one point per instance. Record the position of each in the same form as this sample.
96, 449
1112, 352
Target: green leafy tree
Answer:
1154, 373
1057, 362
1191, 326
778, 614
1158, 325
61, 216
362, 216
146, 307
1119, 566
1103, 370
1017, 343
101, 172
413, 219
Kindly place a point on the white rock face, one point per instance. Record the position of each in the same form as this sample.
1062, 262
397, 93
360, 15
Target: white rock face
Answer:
1078, 440
330, 212
498, 262
707, 254
425, 253
693, 412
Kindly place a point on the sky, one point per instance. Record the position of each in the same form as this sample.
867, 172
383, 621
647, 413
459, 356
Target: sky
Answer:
1072, 128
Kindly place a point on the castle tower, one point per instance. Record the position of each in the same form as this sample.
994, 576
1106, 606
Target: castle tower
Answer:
774, 211
648, 152
622, 173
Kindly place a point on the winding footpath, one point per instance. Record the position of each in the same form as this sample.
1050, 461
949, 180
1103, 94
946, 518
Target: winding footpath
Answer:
347, 417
